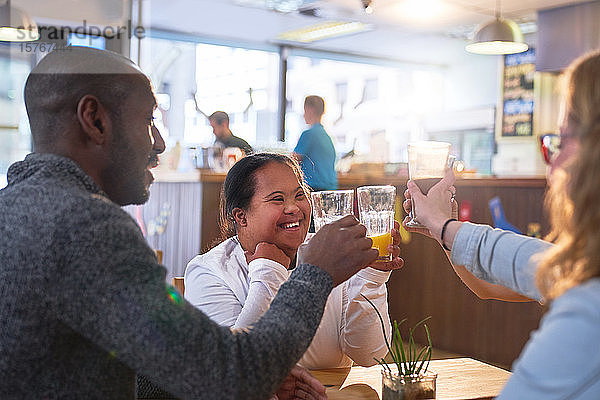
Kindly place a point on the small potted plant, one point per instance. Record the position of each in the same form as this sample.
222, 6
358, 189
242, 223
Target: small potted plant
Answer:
411, 380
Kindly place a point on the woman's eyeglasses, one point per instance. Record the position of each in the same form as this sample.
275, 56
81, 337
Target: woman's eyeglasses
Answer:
549, 145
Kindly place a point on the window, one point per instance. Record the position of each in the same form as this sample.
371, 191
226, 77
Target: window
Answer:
16, 60
192, 80
15, 139
372, 109
475, 147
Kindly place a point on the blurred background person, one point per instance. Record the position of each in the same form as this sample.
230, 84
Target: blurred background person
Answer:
219, 120
315, 151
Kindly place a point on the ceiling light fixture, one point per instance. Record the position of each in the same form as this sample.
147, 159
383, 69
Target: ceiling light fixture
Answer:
500, 36
16, 25
323, 30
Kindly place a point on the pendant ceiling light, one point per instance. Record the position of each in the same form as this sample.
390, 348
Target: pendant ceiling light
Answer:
16, 25
500, 36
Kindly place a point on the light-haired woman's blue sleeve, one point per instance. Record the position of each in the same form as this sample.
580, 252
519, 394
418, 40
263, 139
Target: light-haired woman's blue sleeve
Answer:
499, 257
562, 358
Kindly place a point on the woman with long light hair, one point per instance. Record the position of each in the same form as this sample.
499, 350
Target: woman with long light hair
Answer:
562, 358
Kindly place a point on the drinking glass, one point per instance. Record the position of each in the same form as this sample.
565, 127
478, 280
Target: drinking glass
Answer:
376, 210
427, 163
330, 205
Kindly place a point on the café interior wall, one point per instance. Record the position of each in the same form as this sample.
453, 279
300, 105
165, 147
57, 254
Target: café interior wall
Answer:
515, 156
471, 85
472, 94
471, 82
521, 156
172, 71
473, 99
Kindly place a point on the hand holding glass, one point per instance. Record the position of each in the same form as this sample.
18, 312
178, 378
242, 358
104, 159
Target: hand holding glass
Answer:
427, 163
376, 208
331, 205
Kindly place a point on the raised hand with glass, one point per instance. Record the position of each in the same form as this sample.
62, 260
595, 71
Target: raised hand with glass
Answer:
427, 164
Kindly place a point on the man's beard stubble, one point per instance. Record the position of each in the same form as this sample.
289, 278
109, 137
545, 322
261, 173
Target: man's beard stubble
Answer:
127, 184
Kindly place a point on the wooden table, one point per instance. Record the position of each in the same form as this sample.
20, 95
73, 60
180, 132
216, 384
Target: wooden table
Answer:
458, 378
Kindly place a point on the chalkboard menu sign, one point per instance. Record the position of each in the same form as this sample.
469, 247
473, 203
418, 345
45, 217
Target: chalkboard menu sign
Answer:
517, 119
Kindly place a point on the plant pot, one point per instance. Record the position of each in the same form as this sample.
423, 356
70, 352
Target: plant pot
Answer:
411, 387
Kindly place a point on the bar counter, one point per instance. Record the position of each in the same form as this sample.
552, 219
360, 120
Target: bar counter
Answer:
489, 330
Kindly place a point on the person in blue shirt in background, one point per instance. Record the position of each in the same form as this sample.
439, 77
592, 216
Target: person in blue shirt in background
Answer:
315, 151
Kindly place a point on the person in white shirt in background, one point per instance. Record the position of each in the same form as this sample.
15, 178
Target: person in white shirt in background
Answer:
265, 213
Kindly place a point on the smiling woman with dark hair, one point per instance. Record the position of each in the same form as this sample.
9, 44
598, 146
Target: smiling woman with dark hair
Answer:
265, 213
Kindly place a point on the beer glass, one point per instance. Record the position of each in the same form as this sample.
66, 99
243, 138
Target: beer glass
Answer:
427, 163
376, 206
330, 205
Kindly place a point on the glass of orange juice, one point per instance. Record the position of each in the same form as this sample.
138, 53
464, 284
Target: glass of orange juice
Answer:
376, 212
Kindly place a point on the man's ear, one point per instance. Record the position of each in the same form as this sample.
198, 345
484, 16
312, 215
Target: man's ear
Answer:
93, 119
240, 216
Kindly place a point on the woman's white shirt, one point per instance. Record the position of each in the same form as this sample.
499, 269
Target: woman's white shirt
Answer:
236, 294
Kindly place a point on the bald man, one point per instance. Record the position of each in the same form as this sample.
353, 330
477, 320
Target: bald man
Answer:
84, 303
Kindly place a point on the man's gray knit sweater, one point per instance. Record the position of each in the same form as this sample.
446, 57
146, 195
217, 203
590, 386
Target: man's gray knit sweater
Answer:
85, 307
